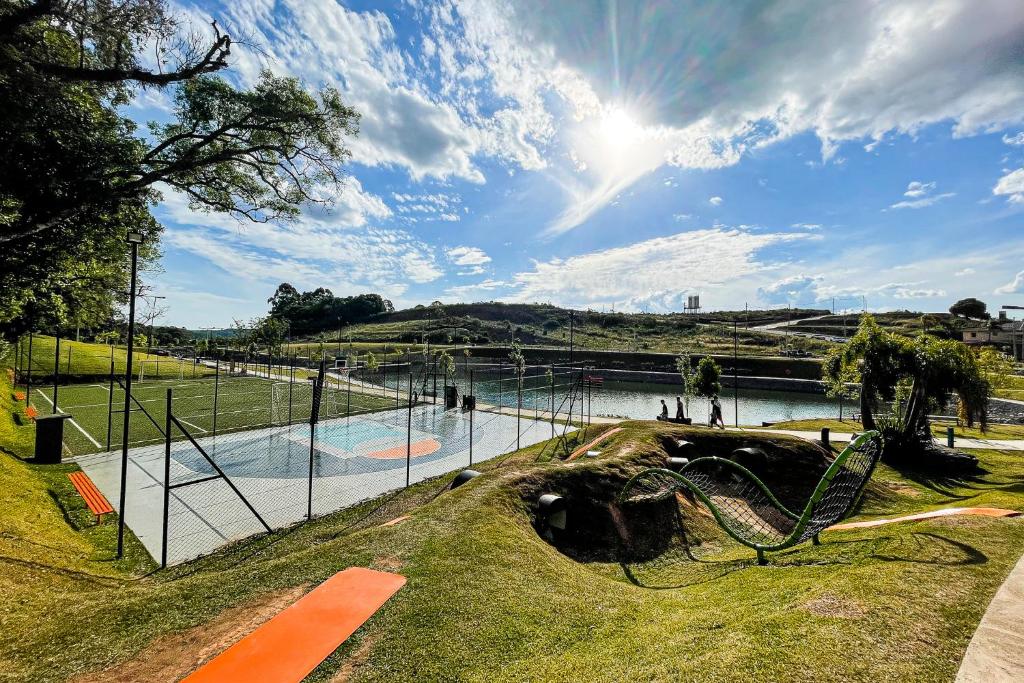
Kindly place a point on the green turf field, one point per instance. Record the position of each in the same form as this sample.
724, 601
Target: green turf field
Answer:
245, 402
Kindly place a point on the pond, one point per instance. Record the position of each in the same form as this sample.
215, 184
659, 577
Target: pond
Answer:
640, 400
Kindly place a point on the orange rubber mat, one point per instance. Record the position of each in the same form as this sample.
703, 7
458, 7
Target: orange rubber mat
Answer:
293, 643
425, 447
945, 512
583, 449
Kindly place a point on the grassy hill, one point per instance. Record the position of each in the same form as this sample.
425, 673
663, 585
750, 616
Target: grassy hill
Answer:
546, 325
488, 598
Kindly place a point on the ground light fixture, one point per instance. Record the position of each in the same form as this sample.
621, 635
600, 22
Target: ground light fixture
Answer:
551, 510
463, 477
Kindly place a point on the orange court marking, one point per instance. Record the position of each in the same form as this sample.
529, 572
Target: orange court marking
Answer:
583, 449
425, 447
293, 643
945, 512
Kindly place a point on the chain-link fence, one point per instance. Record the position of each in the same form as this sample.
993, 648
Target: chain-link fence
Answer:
242, 453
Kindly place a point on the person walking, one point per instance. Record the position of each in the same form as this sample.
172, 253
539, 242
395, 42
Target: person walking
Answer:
716, 413
664, 411
680, 413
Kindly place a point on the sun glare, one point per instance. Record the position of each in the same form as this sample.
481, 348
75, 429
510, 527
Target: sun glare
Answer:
618, 128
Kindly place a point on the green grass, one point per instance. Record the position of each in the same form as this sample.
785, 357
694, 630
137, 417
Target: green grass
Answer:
241, 403
488, 599
92, 361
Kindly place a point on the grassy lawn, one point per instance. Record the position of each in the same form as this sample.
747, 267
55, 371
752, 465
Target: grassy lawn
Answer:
245, 402
85, 360
489, 599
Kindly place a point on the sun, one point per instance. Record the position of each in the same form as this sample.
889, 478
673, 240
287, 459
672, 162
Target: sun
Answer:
618, 128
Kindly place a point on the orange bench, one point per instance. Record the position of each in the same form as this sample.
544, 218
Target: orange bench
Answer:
293, 643
92, 496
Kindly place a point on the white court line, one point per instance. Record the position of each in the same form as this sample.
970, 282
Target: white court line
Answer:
193, 426
72, 421
100, 386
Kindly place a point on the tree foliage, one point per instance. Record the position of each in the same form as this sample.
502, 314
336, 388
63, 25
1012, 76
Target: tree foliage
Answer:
76, 176
970, 308
319, 310
909, 378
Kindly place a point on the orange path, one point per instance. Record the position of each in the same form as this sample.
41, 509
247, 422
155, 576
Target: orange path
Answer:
583, 449
945, 512
425, 447
293, 643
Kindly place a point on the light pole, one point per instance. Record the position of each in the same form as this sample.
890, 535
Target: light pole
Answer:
134, 239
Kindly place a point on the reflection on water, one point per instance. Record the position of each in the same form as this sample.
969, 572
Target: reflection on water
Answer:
641, 400
636, 400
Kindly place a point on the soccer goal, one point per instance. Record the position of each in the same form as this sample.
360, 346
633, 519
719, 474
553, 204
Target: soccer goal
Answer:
299, 395
161, 369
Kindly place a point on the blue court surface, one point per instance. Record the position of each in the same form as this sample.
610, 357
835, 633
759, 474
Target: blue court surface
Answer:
353, 459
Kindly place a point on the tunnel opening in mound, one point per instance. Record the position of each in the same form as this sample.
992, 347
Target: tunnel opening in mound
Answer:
598, 530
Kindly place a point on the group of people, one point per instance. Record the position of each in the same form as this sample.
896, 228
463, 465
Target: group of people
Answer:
715, 420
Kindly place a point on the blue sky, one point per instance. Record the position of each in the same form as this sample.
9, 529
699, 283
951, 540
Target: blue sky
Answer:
624, 155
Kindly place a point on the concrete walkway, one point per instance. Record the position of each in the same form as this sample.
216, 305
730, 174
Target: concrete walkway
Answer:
961, 442
995, 652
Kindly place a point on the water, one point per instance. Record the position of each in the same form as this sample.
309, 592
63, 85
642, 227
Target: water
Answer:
642, 400
636, 400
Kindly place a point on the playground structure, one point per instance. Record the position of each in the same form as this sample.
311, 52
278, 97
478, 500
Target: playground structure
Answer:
747, 510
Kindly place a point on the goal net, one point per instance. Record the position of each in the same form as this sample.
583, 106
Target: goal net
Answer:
161, 369
291, 402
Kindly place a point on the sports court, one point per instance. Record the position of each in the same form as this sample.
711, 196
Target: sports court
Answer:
354, 458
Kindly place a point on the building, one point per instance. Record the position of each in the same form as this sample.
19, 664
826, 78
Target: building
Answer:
1004, 333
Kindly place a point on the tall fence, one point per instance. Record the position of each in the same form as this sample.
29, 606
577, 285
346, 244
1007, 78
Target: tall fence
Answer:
329, 442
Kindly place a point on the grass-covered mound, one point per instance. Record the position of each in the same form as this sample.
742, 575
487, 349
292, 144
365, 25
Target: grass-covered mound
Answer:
489, 599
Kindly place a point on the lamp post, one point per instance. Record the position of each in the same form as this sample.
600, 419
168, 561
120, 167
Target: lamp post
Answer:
134, 239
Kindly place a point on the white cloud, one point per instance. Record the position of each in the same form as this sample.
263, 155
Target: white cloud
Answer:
1015, 140
844, 71
655, 274
796, 290
964, 271
918, 189
715, 201
682, 216
1011, 184
474, 291
920, 194
1016, 286
807, 226
467, 256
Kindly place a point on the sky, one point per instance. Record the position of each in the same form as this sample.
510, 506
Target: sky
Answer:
623, 155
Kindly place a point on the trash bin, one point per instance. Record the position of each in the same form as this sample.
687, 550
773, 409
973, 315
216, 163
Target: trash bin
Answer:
50, 438
451, 397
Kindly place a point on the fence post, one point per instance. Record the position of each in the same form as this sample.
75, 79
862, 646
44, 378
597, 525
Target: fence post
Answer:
167, 477
500, 365
590, 395
552, 400
519, 406
110, 398
312, 440
28, 375
216, 391
408, 437
56, 370
472, 409
291, 386
348, 396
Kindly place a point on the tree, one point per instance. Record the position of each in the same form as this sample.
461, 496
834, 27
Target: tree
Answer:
706, 376
74, 174
912, 378
839, 377
970, 308
685, 369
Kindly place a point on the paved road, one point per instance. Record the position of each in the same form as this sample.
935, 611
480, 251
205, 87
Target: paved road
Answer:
995, 444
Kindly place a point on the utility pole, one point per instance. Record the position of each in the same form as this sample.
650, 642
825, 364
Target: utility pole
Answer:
135, 239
